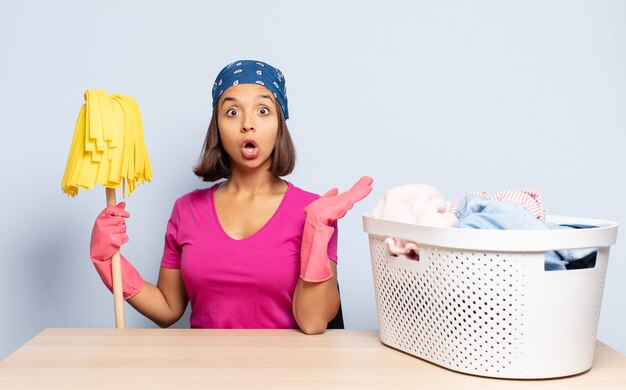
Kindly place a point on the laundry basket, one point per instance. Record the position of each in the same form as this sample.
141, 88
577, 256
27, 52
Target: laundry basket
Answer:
481, 302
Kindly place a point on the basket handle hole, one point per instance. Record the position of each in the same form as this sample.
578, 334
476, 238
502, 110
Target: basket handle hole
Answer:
402, 249
570, 259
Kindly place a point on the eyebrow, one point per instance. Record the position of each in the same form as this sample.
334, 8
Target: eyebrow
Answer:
232, 99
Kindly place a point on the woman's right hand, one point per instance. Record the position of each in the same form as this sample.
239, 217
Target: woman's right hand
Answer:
109, 232
107, 236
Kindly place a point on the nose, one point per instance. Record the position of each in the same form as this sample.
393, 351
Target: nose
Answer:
248, 124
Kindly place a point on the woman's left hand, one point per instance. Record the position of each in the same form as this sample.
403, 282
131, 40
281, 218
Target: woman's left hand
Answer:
314, 263
331, 206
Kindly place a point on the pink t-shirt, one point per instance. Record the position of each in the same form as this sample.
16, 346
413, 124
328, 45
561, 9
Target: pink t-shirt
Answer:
245, 283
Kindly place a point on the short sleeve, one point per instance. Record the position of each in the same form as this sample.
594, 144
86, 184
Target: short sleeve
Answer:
332, 244
171, 248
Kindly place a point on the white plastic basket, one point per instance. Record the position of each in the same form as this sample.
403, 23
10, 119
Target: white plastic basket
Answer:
480, 301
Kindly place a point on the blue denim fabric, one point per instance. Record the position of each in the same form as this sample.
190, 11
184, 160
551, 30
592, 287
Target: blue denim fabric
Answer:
477, 212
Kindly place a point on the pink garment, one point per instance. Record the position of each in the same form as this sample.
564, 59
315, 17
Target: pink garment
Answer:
529, 198
245, 283
415, 203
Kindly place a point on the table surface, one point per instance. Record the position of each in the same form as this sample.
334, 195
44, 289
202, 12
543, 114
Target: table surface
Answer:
276, 359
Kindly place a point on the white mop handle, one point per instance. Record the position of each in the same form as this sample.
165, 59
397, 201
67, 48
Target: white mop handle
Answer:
116, 271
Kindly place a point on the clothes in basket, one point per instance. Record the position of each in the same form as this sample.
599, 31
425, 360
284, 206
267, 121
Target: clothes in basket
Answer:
504, 210
415, 203
529, 197
478, 212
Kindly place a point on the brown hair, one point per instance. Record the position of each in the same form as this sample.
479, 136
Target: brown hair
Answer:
214, 163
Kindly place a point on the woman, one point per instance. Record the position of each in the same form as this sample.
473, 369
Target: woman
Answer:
253, 251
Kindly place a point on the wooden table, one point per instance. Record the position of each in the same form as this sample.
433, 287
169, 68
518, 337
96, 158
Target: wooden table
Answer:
274, 359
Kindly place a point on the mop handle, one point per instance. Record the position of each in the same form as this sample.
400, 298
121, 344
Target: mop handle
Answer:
116, 271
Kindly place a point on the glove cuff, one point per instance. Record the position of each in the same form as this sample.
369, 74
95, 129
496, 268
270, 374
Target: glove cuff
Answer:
314, 262
132, 282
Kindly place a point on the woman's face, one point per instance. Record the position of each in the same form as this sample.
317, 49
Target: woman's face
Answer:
248, 125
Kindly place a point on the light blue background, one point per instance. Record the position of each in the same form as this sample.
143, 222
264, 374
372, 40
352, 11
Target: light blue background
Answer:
483, 95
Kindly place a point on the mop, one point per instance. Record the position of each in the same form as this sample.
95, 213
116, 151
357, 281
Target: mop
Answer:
108, 148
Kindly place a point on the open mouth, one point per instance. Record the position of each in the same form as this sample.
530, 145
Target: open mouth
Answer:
249, 148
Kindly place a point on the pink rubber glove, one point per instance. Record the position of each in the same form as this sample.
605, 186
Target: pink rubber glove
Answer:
107, 236
320, 215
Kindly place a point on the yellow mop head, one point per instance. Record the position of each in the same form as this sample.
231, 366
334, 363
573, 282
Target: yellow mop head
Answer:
108, 145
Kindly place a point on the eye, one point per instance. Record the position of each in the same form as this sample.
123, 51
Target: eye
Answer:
264, 111
231, 112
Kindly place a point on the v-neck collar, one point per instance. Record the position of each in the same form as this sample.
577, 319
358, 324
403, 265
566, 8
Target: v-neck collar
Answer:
258, 232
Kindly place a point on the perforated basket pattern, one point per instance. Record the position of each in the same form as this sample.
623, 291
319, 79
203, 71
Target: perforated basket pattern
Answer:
463, 310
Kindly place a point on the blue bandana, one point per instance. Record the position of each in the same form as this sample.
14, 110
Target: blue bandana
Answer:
252, 72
